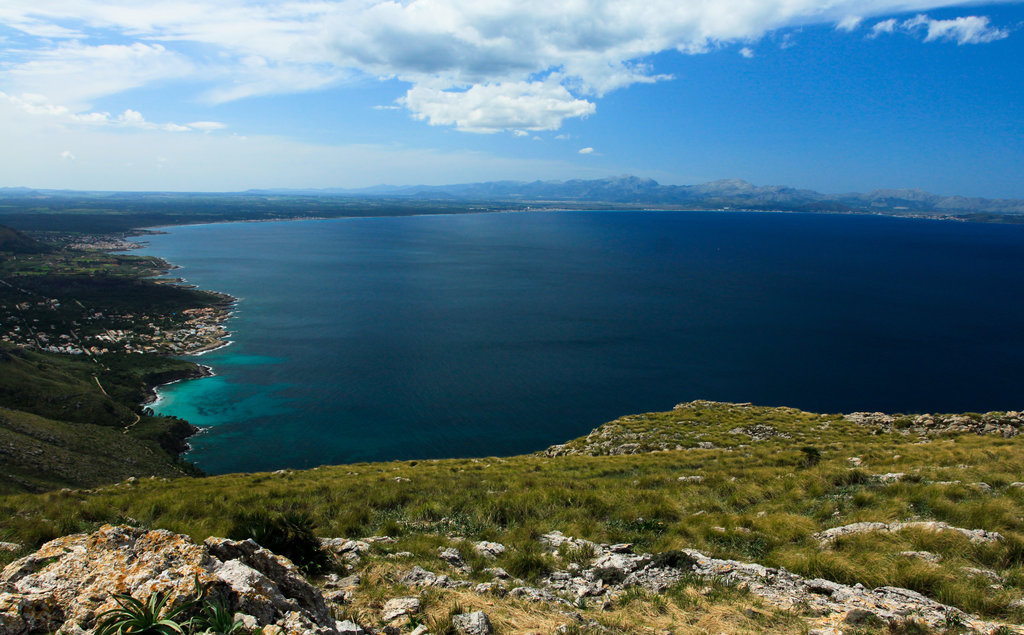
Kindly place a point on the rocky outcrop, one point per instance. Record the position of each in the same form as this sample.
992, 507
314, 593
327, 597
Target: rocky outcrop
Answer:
69, 581
974, 535
1006, 424
638, 434
615, 568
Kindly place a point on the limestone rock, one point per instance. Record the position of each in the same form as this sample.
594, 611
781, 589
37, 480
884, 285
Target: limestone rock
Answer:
489, 549
398, 607
475, 623
418, 576
69, 581
974, 535
927, 556
453, 557
348, 627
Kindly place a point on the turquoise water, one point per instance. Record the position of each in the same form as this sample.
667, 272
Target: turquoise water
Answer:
471, 335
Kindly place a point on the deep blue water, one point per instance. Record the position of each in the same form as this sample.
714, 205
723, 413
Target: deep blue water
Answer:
495, 334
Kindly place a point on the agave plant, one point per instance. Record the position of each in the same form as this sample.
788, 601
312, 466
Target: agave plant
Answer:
134, 617
216, 618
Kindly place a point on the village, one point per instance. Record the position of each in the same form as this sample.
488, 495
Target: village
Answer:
44, 324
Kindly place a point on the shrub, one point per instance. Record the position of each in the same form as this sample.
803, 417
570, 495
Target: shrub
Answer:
290, 535
811, 456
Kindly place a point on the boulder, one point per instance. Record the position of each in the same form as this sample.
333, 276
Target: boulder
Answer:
489, 549
69, 581
475, 623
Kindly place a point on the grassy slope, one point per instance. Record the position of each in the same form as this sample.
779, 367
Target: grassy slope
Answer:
41, 453
758, 501
60, 427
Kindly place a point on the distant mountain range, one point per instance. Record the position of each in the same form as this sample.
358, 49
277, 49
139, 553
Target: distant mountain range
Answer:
730, 193
623, 191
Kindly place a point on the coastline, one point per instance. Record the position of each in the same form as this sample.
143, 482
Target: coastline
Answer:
152, 393
209, 334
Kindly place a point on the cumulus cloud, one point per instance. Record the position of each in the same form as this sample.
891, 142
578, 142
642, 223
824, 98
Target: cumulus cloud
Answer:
747, 52
494, 107
542, 62
586, 151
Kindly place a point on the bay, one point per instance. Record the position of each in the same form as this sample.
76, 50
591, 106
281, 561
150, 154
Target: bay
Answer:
497, 334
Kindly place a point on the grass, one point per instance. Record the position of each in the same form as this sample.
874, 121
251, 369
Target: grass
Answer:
758, 501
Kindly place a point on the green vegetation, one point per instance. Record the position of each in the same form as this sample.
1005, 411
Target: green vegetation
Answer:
289, 535
133, 616
756, 501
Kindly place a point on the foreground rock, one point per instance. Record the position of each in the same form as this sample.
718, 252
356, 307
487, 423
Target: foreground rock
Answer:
70, 580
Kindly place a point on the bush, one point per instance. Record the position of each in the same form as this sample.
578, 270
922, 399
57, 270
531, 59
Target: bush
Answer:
811, 456
674, 559
290, 535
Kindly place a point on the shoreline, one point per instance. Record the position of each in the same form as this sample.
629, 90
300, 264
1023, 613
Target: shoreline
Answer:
156, 229
199, 372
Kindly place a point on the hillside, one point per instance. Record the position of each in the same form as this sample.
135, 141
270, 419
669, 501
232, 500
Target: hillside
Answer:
14, 242
73, 422
933, 504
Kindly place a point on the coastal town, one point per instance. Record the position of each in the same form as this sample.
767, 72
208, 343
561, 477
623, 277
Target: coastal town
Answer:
54, 308
200, 330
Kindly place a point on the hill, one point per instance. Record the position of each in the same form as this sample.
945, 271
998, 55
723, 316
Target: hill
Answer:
72, 422
15, 242
660, 521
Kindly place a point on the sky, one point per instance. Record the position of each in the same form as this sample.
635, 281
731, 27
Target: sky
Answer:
832, 95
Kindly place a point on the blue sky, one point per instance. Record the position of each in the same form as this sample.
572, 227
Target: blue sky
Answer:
835, 96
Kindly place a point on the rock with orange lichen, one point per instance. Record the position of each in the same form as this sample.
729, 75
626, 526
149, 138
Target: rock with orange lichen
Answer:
71, 580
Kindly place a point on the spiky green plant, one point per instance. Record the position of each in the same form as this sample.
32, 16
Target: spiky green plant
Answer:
216, 618
132, 616
135, 617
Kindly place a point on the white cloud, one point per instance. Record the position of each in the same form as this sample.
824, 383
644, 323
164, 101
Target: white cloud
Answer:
494, 107
971, 29
67, 155
885, 26
449, 52
75, 74
38, 107
149, 159
520, 133
747, 52
205, 126
586, 151
849, 23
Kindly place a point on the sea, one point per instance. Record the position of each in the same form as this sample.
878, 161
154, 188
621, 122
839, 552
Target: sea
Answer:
495, 334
